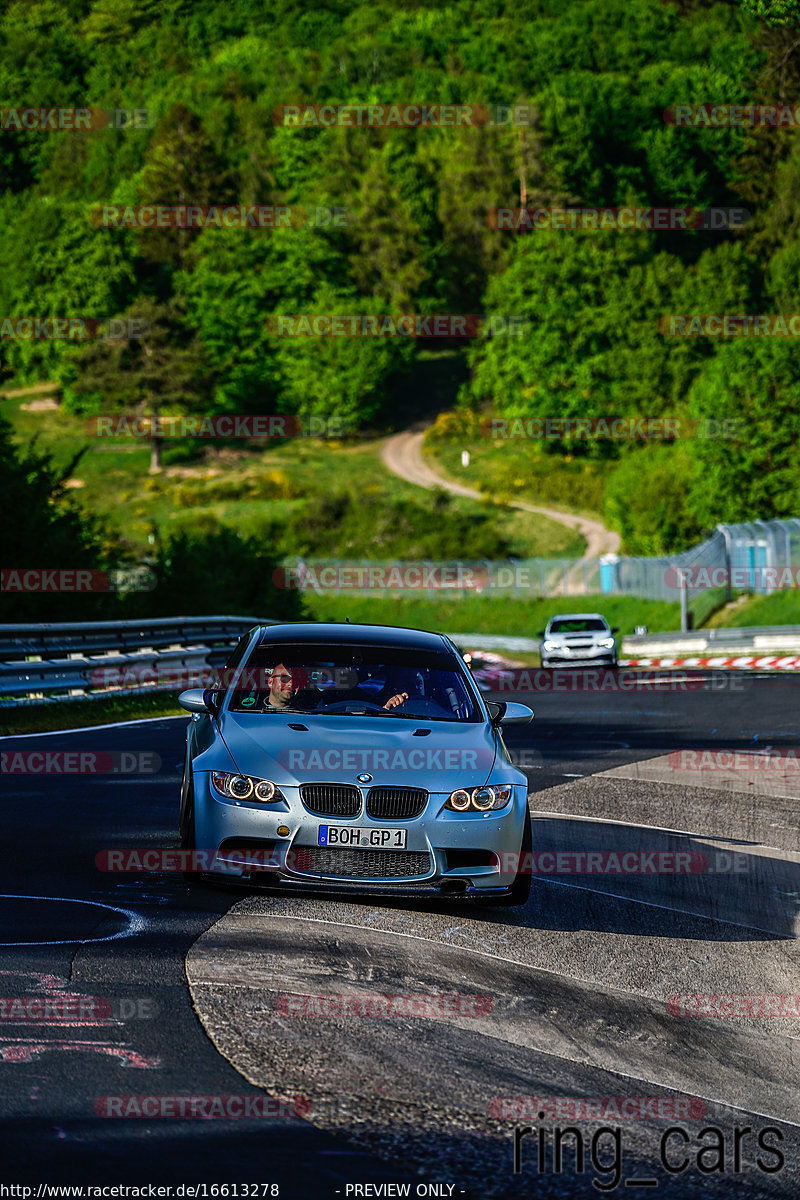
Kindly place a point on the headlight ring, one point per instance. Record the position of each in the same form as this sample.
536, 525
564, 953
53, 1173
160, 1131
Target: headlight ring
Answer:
244, 787
480, 799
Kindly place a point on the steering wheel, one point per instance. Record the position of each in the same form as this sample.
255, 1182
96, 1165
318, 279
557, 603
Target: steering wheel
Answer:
354, 706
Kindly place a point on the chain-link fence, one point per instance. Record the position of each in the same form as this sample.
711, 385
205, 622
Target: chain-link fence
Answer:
757, 556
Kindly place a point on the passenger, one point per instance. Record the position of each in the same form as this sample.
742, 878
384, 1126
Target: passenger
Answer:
401, 684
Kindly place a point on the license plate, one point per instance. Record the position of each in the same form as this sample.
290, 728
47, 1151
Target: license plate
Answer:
366, 836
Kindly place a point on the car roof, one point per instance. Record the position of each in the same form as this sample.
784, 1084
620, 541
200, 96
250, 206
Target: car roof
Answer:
577, 617
344, 633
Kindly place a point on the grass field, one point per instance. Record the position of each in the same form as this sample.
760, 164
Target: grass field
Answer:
516, 469
39, 718
491, 614
783, 608
260, 490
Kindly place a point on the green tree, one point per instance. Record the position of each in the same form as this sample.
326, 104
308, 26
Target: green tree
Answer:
48, 532
774, 12
647, 500
755, 384
161, 371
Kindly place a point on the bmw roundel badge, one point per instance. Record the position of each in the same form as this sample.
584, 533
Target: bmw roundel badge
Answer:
364, 778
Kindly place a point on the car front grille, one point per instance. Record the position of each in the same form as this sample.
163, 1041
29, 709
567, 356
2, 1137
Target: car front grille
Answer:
345, 863
395, 803
331, 799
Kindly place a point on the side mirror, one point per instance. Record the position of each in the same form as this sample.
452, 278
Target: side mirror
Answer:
516, 714
194, 700
540, 633
503, 712
615, 629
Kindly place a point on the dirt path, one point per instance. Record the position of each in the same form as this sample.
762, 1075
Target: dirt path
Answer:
402, 454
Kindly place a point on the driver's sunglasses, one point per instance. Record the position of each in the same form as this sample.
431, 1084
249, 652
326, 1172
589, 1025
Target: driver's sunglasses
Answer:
281, 678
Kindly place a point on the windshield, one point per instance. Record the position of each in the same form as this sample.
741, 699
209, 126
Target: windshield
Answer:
342, 680
579, 625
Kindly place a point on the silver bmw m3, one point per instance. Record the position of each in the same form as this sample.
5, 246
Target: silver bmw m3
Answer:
354, 758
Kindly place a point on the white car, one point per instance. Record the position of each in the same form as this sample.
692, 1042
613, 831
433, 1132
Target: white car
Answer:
578, 639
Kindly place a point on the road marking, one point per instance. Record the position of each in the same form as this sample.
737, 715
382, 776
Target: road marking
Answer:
136, 923
91, 728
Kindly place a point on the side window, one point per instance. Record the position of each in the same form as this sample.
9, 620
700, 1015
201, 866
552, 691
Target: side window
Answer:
237, 654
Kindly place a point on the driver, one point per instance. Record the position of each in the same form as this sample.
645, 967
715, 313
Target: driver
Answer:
288, 688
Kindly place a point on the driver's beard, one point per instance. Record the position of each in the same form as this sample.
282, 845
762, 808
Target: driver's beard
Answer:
279, 700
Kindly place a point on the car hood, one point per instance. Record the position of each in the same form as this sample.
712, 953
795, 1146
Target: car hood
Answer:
436, 755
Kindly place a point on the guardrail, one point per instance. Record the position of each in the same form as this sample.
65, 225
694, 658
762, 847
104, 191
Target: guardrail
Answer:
43, 663
20, 641
763, 639
40, 663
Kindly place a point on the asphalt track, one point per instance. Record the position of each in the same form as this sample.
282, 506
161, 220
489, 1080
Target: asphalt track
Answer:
183, 987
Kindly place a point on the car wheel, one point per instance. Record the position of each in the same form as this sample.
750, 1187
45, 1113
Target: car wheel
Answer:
521, 887
186, 823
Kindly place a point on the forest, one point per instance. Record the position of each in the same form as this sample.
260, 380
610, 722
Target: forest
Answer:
218, 111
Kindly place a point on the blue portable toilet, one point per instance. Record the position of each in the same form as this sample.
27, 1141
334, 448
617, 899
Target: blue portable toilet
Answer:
609, 573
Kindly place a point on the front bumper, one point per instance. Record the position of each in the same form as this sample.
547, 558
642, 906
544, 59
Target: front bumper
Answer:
445, 853
579, 658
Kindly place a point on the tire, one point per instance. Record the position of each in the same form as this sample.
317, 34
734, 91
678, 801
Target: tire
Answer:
186, 823
521, 887
186, 819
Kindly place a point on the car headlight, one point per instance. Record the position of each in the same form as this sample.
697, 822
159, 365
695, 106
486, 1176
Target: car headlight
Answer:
244, 787
606, 644
481, 799
552, 646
